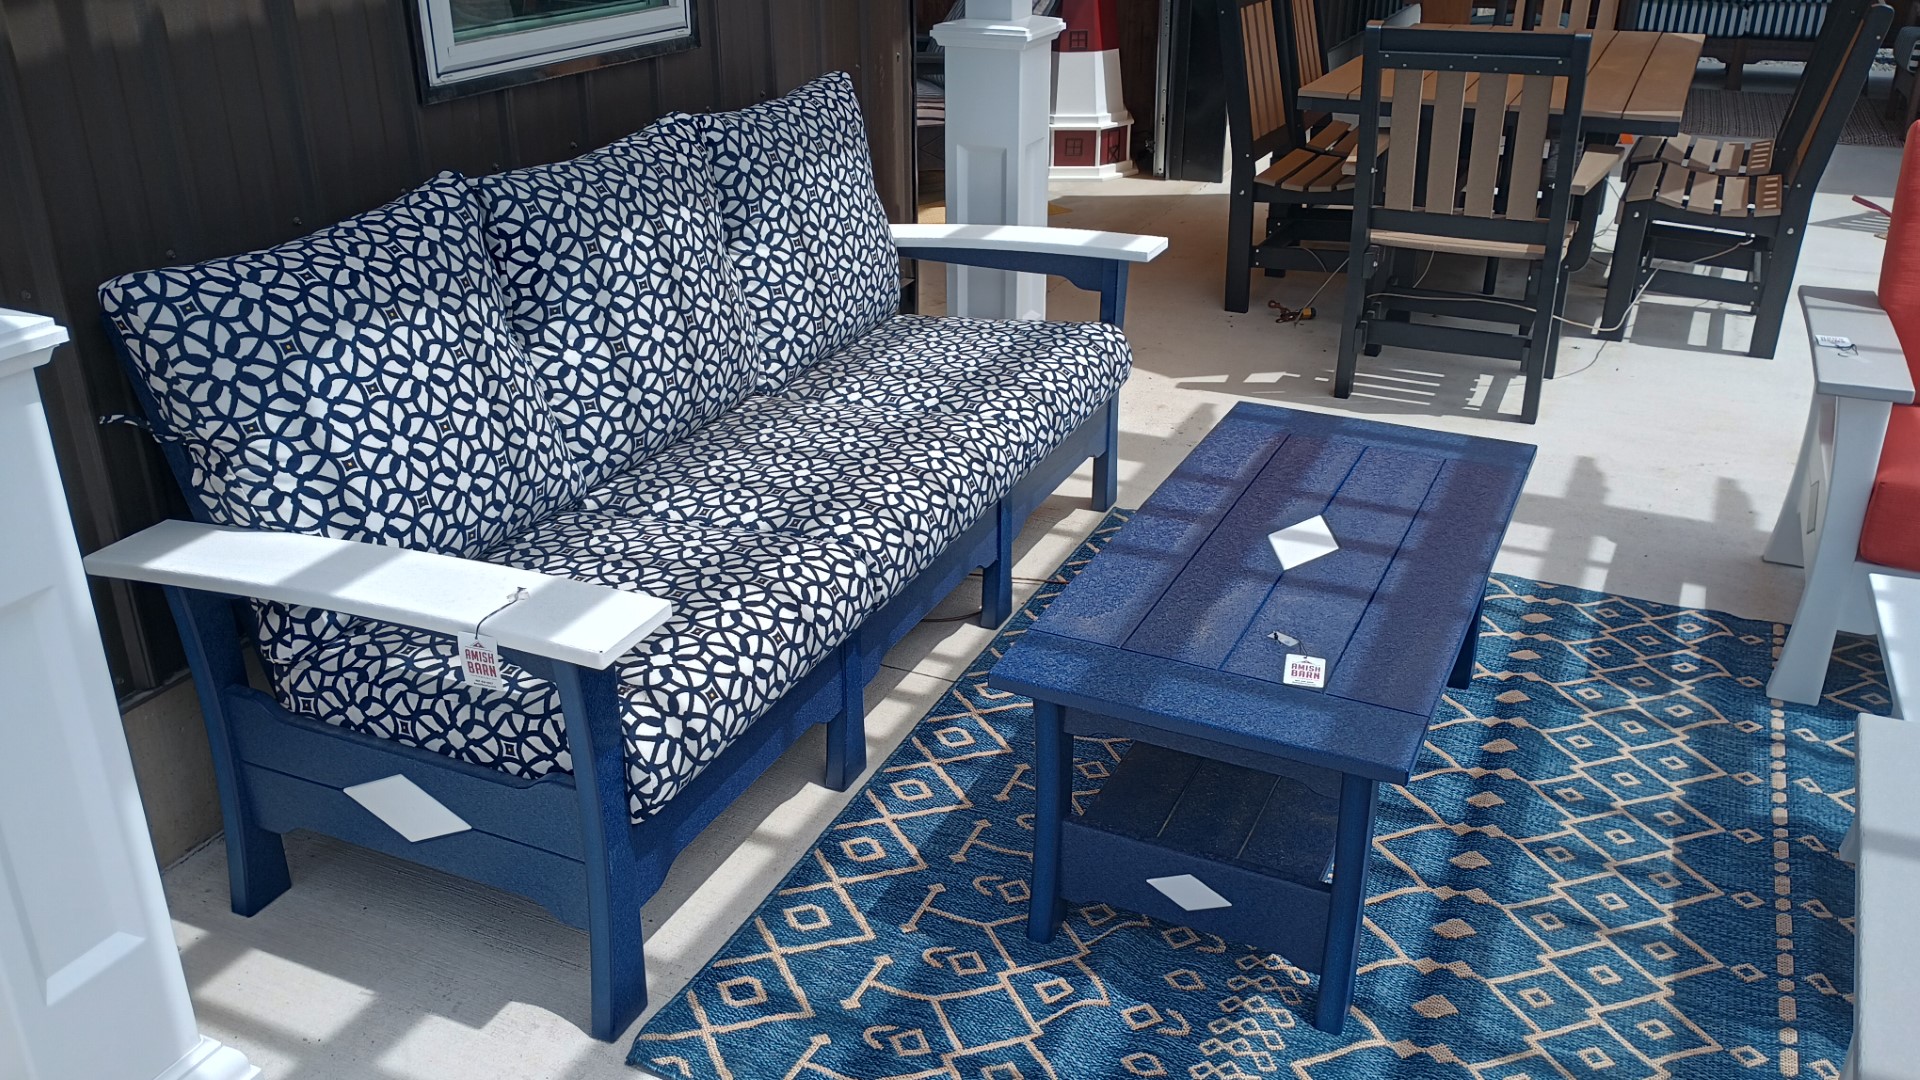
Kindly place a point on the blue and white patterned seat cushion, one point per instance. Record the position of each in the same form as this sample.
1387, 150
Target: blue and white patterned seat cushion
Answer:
1714, 18
1786, 20
615, 269
896, 486
754, 613
1042, 379
359, 383
805, 226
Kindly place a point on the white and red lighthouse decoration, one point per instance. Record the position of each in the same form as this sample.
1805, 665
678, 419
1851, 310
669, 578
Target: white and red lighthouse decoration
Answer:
1092, 131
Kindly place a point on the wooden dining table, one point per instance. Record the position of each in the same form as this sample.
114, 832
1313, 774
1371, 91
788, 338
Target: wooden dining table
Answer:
1637, 81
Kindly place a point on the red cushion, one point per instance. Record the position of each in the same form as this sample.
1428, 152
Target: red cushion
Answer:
1890, 536
1900, 264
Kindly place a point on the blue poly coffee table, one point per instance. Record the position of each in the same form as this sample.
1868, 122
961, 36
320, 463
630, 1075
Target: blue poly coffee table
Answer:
1244, 807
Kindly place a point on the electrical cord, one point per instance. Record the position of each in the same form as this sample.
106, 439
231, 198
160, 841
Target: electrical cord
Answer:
1331, 274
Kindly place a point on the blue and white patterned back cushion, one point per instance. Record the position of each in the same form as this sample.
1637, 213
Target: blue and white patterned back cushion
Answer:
359, 383
805, 226
618, 282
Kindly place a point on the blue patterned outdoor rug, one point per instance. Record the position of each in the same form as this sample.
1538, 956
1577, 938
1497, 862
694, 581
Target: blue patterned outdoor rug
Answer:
1617, 861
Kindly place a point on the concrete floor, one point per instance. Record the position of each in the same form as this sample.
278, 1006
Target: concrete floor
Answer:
1661, 463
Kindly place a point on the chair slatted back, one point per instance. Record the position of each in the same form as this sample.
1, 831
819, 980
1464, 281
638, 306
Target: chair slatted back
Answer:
1572, 15
1271, 51
1491, 96
1266, 78
1831, 83
1309, 63
1259, 94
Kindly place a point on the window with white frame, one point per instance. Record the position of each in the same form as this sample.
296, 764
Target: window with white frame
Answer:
468, 46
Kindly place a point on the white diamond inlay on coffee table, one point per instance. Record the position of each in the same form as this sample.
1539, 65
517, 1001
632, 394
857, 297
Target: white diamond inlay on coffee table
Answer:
406, 808
1299, 544
1189, 892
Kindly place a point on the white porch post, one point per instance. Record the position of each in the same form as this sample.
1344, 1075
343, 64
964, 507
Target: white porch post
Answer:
90, 979
999, 62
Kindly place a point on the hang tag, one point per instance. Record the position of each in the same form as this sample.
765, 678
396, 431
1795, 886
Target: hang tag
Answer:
480, 662
1303, 670
1830, 341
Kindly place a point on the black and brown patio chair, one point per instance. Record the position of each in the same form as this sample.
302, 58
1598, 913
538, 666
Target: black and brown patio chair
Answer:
1736, 204
1496, 182
1270, 48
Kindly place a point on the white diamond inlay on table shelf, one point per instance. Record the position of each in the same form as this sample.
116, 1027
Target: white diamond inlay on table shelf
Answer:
1189, 892
406, 808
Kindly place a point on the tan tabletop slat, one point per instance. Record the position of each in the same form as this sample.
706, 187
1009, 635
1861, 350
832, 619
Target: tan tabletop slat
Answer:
1661, 92
1632, 75
1611, 78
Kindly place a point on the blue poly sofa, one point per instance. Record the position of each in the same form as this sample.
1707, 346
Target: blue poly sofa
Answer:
646, 426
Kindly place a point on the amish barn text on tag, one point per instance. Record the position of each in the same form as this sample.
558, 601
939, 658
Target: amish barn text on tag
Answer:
480, 662
1303, 670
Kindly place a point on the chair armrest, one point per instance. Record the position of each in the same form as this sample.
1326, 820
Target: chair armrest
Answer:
1095, 261
1028, 240
1595, 165
1875, 367
1903, 43
562, 619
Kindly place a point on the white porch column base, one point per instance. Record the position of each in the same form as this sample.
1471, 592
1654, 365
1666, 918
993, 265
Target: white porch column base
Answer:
90, 979
999, 93
212, 1060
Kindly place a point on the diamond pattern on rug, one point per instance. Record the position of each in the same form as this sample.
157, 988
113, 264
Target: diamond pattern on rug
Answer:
1617, 860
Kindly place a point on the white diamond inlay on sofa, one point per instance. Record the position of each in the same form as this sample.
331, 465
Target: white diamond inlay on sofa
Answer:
406, 808
1189, 892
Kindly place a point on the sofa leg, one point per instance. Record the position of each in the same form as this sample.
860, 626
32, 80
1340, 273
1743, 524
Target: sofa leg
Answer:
1836, 583
616, 946
256, 859
996, 578
847, 732
1801, 672
1786, 545
256, 867
1106, 476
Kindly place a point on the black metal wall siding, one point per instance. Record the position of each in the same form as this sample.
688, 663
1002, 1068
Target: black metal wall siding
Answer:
138, 133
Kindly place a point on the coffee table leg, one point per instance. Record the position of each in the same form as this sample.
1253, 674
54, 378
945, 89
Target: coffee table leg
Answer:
1462, 674
1353, 850
1053, 787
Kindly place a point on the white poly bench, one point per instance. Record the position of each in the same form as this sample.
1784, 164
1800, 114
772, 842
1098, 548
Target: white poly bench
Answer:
1884, 843
1886, 1025
1896, 606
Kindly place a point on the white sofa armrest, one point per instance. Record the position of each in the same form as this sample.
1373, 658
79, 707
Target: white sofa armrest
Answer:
559, 618
1030, 239
1896, 602
1873, 368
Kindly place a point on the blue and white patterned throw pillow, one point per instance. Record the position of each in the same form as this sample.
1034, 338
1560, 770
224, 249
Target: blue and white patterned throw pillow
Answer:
805, 226
618, 282
359, 383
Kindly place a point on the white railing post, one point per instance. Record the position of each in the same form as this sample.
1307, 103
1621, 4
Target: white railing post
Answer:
90, 978
999, 63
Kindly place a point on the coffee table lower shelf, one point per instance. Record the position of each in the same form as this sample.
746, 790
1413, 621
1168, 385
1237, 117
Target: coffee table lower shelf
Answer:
1261, 844
1274, 858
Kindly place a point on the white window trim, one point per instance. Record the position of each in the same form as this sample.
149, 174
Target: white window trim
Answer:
448, 63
